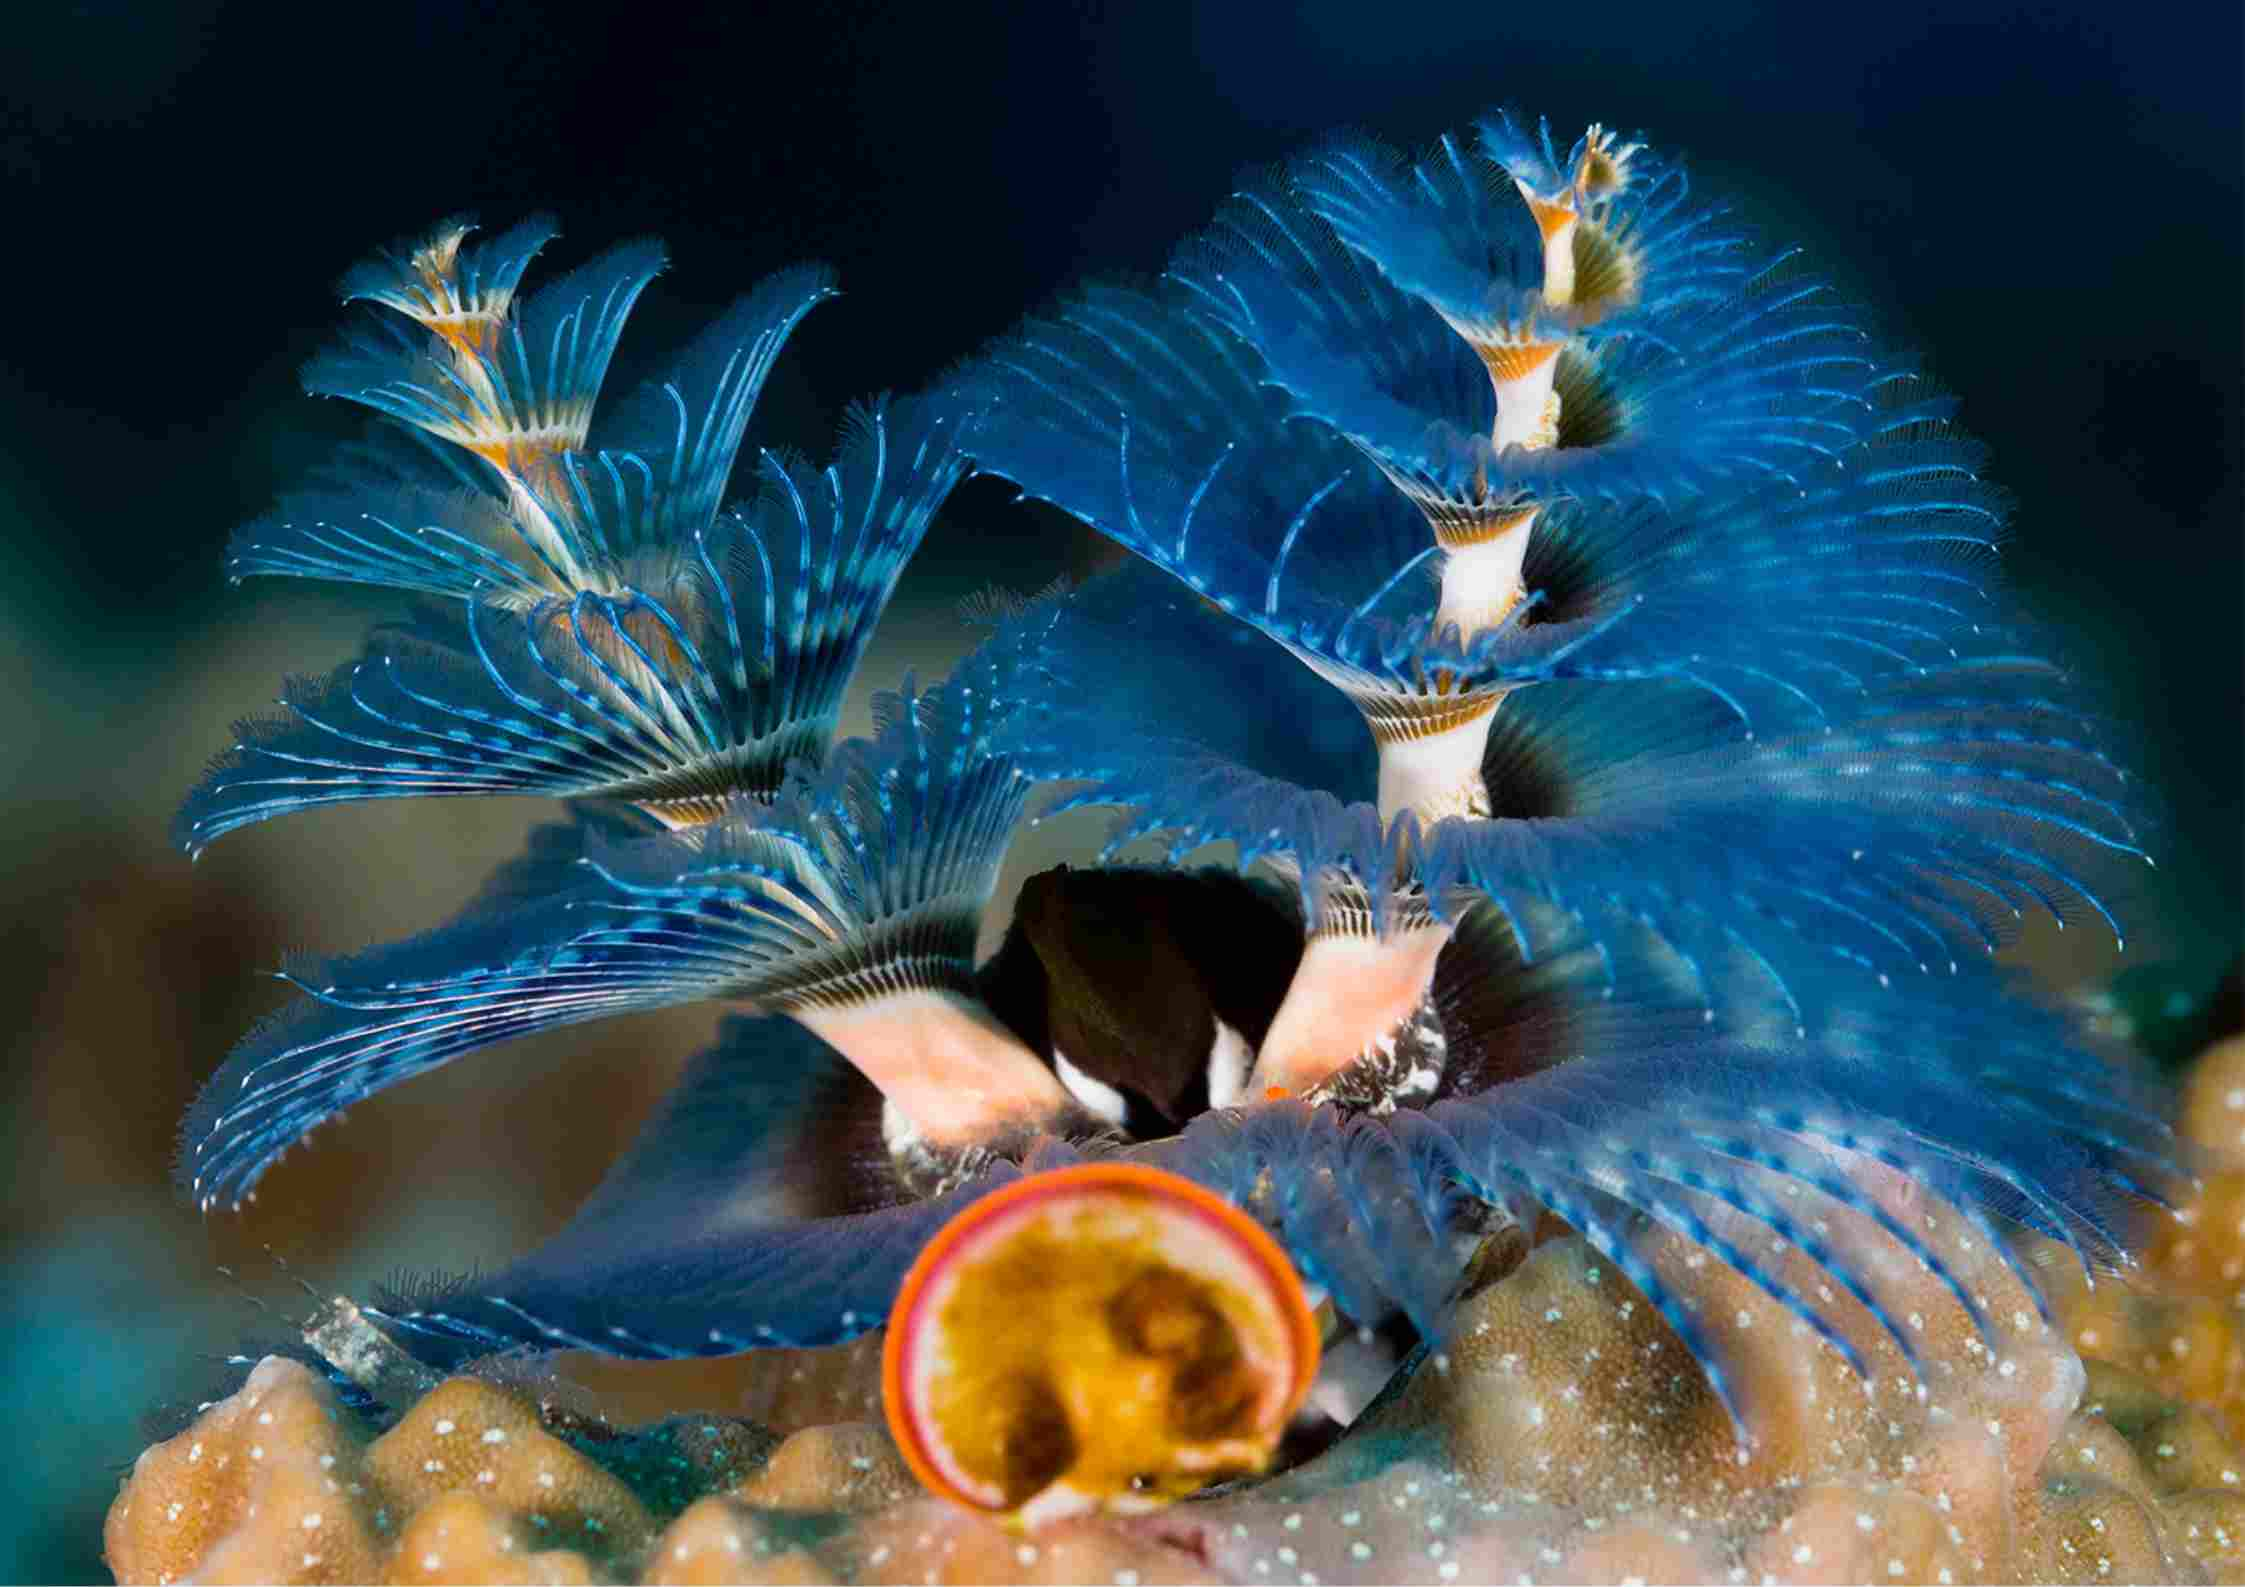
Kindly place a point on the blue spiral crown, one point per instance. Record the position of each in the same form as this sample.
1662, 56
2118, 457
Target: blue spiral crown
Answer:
1551, 582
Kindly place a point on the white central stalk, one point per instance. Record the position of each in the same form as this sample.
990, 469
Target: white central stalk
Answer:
1481, 579
1527, 404
1347, 993
944, 1060
1558, 221
1438, 774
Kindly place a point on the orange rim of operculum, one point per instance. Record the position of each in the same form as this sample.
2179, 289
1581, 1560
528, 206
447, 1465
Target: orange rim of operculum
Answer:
1281, 1281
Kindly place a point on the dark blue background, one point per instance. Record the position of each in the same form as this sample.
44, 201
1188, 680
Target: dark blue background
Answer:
2044, 199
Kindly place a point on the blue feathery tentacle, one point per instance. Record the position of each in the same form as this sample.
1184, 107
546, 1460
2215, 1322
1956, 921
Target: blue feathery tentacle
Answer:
522, 505
641, 1294
1785, 745
715, 1232
1642, 237
1658, 1128
1508, 1017
1128, 411
387, 1014
439, 281
1878, 561
671, 1259
1211, 734
431, 541
1448, 230
1653, 1124
1335, 338
1760, 386
1466, 228
870, 876
727, 662
688, 426
1685, 390
403, 510
533, 370
1896, 843
738, 1219
552, 856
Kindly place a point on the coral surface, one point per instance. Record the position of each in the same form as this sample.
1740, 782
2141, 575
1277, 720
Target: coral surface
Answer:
1565, 1435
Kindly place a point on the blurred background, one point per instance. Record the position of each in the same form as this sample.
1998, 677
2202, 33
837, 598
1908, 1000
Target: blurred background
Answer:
2045, 201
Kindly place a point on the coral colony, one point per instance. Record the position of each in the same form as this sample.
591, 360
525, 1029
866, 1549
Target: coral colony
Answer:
1585, 638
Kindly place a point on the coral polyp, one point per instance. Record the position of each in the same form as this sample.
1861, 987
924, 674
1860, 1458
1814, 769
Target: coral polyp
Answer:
1580, 636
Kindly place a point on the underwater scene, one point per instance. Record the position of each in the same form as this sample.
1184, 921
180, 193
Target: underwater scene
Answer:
1180, 793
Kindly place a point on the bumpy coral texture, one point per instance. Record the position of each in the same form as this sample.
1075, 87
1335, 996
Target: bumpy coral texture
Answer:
2179, 1331
1566, 1435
